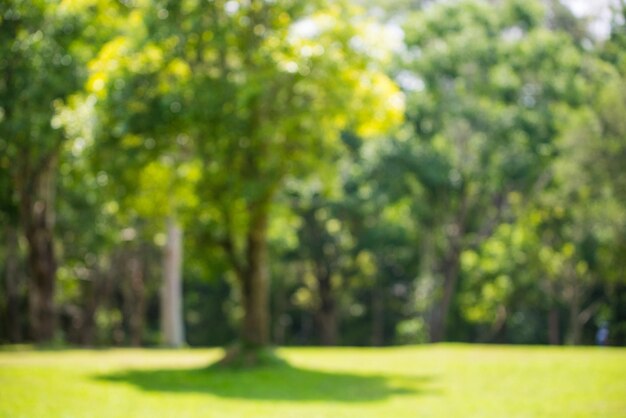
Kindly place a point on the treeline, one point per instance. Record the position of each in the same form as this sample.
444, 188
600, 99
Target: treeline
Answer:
387, 173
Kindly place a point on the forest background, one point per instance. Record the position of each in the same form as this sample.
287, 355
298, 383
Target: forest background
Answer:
311, 172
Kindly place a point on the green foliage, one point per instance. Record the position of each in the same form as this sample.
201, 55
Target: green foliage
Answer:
39, 70
462, 180
243, 91
493, 95
411, 331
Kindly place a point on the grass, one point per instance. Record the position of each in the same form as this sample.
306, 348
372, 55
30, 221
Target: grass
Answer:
427, 381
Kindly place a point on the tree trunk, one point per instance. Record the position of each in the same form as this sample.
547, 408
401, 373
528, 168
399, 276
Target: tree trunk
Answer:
137, 300
14, 329
450, 270
254, 280
88, 323
279, 311
553, 326
37, 217
94, 293
327, 312
575, 324
171, 293
378, 317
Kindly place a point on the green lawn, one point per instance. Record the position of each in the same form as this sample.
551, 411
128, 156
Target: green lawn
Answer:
426, 381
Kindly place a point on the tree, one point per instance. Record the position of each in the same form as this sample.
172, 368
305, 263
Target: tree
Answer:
261, 91
165, 194
484, 88
40, 69
556, 248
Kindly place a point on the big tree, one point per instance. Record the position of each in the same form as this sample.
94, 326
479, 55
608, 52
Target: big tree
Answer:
40, 67
258, 92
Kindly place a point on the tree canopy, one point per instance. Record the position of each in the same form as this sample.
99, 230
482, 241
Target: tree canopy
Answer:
342, 172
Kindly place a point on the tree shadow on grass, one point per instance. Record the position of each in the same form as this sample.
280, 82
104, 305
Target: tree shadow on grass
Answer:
283, 383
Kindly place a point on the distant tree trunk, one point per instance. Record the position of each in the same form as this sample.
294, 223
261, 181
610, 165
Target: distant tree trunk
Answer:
306, 328
116, 297
37, 217
326, 314
14, 329
254, 280
137, 300
94, 292
553, 326
171, 293
497, 331
133, 296
575, 324
450, 268
283, 320
88, 324
450, 271
378, 317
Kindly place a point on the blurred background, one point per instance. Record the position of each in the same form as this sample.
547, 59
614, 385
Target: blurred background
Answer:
312, 172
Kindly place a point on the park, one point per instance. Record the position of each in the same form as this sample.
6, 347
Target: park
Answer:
433, 381
328, 208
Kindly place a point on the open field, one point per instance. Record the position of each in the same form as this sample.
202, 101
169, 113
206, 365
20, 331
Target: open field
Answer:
425, 381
